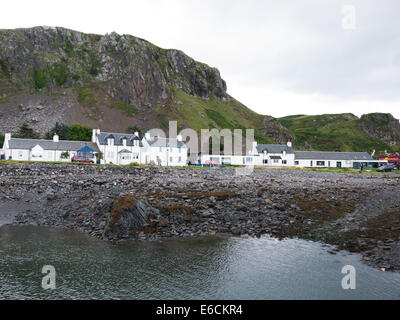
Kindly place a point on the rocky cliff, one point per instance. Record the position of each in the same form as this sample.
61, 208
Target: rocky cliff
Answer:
382, 126
113, 82
110, 81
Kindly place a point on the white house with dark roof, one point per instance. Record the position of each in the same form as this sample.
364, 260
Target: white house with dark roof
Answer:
43, 150
118, 148
318, 159
164, 151
275, 155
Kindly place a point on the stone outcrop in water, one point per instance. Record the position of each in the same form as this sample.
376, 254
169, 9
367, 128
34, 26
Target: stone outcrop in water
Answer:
128, 217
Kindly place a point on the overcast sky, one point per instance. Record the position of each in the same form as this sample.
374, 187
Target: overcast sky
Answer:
277, 57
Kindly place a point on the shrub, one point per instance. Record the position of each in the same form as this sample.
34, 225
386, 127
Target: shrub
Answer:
80, 133
26, 132
39, 79
65, 155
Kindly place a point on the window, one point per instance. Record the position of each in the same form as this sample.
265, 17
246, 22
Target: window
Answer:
180, 149
296, 163
276, 161
320, 163
20, 154
135, 156
284, 161
170, 159
226, 160
249, 159
180, 159
110, 154
160, 149
265, 161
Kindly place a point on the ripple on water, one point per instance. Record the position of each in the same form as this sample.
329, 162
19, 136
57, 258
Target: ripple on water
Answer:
206, 268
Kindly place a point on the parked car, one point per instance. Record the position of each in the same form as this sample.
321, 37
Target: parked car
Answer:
210, 163
77, 159
386, 168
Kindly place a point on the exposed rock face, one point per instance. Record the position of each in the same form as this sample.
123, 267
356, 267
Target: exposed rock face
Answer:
272, 128
130, 69
128, 216
382, 126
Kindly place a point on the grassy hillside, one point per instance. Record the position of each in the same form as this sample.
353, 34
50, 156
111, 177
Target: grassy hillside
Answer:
332, 132
197, 113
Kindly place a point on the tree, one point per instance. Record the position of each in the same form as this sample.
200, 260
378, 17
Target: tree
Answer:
26, 132
99, 156
133, 129
62, 131
64, 155
80, 133
1, 140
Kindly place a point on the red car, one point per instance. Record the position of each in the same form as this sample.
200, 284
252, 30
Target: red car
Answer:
77, 159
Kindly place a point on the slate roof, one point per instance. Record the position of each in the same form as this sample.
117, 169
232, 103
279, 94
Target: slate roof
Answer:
62, 145
118, 137
274, 148
317, 155
165, 142
275, 157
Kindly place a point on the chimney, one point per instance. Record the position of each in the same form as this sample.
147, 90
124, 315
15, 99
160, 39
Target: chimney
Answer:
289, 143
55, 137
147, 135
95, 132
254, 151
7, 138
136, 134
373, 153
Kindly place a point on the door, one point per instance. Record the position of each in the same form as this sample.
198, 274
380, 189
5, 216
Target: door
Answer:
338, 164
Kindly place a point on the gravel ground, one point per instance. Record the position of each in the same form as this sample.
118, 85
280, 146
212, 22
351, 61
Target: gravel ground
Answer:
357, 212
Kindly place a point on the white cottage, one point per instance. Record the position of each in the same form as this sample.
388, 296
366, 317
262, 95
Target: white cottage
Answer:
118, 148
44, 150
318, 159
164, 151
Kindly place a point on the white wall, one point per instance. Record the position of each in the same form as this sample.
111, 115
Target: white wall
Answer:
308, 163
235, 160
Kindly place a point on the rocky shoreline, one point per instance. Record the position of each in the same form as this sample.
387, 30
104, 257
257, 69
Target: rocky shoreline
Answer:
356, 212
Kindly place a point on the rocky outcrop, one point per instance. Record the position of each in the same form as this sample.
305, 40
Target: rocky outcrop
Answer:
130, 69
127, 217
382, 126
273, 129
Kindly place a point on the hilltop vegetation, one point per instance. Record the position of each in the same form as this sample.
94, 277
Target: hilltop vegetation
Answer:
332, 132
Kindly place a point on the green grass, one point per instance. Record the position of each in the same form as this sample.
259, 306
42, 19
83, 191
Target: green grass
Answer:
127, 109
197, 113
86, 96
331, 132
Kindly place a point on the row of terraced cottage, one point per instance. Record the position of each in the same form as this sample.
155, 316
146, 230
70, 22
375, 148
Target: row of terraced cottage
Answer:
124, 149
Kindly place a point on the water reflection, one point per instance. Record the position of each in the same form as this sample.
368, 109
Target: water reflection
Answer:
206, 268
